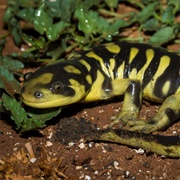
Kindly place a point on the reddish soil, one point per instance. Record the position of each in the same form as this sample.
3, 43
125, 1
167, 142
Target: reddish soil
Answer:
59, 155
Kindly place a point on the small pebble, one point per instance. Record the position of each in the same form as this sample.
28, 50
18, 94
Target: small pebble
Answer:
81, 146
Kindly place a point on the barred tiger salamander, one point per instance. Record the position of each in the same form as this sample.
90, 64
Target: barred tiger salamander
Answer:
131, 69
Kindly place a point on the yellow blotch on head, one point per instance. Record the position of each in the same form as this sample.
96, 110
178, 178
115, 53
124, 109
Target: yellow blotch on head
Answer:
78, 88
36, 85
88, 67
89, 79
74, 83
43, 79
72, 69
113, 48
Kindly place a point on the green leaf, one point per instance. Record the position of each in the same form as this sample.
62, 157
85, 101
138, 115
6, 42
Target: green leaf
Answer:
162, 36
11, 11
87, 21
56, 48
2, 108
43, 115
16, 31
2, 45
112, 3
86, 5
27, 56
42, 20
62, 9
168, 16
7, 66
67, 8
20, 117
147, 12
151, 25
18, 114
91, 23
55, 8
111, 29
175, 4
148, 1
27, 14
54, 31
8, 81
7, 15
11, 64
31, 124
37, 43
38, 118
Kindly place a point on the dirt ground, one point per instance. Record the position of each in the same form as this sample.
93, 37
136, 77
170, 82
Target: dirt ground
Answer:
58, 152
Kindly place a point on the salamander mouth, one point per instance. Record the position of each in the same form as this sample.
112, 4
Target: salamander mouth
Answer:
42, 104
49, 103
39, 103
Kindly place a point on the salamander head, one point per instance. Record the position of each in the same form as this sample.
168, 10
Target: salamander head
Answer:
53, 86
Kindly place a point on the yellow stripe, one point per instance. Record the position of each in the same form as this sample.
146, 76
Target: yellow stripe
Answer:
133, 74
120, 71
133, 53
149, 57
98, 58
148, 92
178, 90
164, 63
112, 62
95, 93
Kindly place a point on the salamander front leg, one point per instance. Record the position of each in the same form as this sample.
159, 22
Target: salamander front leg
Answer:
131, 105
168, 113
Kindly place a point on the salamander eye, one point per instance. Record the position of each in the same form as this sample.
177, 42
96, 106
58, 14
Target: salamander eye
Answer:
27, 75
38, 94
57, 87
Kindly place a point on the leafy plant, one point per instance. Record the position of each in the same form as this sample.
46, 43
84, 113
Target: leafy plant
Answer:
52, 29
30, 120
